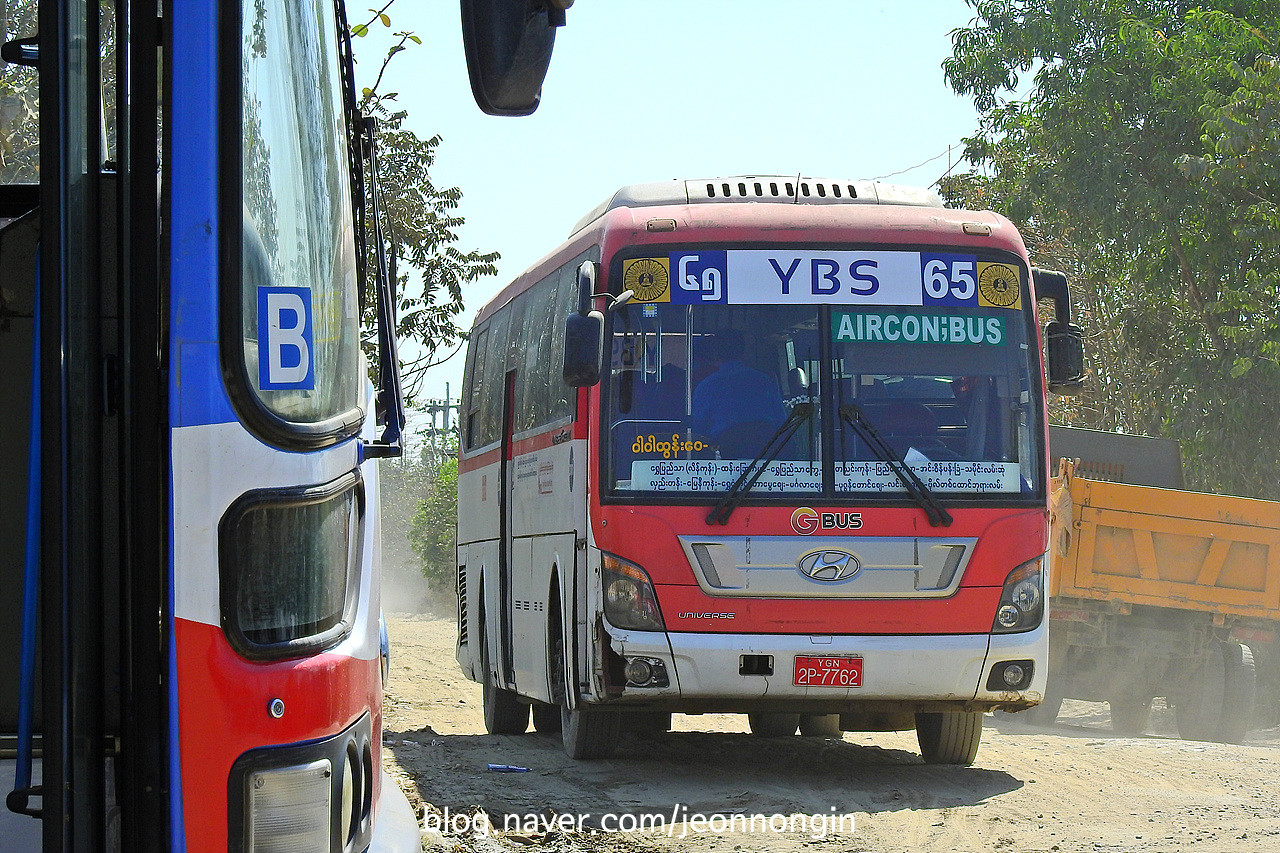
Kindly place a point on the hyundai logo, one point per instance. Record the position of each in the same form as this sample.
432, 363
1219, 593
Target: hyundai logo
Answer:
828, 565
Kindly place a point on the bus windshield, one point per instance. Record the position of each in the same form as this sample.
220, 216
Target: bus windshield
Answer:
697, 392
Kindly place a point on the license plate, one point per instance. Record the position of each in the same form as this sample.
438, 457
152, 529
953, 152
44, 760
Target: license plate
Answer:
828, 671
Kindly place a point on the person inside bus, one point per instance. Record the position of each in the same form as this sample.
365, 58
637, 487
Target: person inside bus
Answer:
736, 407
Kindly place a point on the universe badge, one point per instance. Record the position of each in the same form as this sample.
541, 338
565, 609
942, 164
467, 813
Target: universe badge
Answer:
649, 278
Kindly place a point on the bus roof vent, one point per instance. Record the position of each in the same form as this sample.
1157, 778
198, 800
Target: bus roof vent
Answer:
771, 189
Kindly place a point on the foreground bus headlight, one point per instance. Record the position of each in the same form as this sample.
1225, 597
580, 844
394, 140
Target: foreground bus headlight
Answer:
1021, 605
629, 598
290, 808
313, 796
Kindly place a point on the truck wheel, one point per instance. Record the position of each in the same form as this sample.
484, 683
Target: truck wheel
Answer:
820, 725
1239, 690
766, 724
1129, 714
949, 738
1198, 706
1044, 714
504, 713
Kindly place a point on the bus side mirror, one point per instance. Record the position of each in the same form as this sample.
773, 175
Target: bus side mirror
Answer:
584, 335
508, 48
1065, 343
1063, 339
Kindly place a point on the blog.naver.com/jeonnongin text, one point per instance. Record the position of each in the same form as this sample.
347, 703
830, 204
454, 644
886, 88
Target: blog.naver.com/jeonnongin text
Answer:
678, 822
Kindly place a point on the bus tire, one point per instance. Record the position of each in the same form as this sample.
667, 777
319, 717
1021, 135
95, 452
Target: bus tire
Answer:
1239, 690
586, 732
950, 737
648, 723
820, 725
1044, 714
769, 724
546, 718
504, 713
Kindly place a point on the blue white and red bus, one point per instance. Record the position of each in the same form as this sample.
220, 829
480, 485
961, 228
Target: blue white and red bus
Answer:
194, 629
785, 457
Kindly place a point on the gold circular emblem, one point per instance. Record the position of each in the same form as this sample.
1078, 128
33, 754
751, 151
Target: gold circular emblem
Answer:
647, 277
998, 284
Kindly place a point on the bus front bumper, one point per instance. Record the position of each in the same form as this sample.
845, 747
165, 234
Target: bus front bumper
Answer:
708, 669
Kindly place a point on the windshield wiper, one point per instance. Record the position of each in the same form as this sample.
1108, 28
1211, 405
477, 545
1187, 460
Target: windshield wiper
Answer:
919, 492
800, 413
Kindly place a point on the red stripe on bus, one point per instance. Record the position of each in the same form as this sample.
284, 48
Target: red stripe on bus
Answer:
322, 695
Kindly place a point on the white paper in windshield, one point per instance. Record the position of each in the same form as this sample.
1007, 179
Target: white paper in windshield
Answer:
718, 475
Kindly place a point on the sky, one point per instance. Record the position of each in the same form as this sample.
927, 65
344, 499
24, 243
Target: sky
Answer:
660, 89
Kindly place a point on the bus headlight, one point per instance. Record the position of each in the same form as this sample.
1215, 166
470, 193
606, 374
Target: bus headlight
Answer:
1021, 606
629, 598
290, 808
316, 795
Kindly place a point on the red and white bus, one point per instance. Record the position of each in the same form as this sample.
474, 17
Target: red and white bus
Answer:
786, 457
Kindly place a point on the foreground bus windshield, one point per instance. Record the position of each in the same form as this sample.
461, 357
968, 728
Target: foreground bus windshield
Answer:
696, 391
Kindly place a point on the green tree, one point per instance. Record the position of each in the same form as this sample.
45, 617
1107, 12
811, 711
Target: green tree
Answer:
432, 533
1124, 158
420, 220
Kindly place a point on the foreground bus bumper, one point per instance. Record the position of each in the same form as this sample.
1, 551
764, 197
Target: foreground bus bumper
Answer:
707, 668
395, 827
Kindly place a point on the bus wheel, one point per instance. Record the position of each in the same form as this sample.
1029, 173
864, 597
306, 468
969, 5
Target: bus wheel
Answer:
820, 725
1044, 714
768, 724
648, 723
546, 718
586, 732
949, 738
504, 713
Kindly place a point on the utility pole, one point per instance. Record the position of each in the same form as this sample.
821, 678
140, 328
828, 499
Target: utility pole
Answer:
442, 434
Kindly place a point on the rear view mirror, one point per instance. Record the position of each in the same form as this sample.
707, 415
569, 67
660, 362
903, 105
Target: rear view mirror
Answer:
508, 47
1065, 343
584, 335
1063, 339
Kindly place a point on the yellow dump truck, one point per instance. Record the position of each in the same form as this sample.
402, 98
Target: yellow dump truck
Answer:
1156, 591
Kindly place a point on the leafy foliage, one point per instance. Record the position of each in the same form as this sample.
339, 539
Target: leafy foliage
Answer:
432, 531
421, 222
1143, 162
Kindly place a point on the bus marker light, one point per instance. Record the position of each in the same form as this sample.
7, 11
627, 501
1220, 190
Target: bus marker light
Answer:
290, 808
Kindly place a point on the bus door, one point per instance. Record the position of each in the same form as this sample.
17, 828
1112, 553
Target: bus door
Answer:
506, 485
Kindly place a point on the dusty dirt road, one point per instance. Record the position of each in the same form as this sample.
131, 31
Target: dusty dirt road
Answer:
1070, 787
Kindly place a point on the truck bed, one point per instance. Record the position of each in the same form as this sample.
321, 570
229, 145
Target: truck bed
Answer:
1142, 545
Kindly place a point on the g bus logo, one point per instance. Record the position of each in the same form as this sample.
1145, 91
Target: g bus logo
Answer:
806, 520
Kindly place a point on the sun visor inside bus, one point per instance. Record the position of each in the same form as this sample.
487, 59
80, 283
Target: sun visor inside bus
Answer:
508, 47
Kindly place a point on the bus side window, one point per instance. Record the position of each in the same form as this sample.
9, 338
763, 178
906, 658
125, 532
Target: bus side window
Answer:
494, 380
535, 392
474, 388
